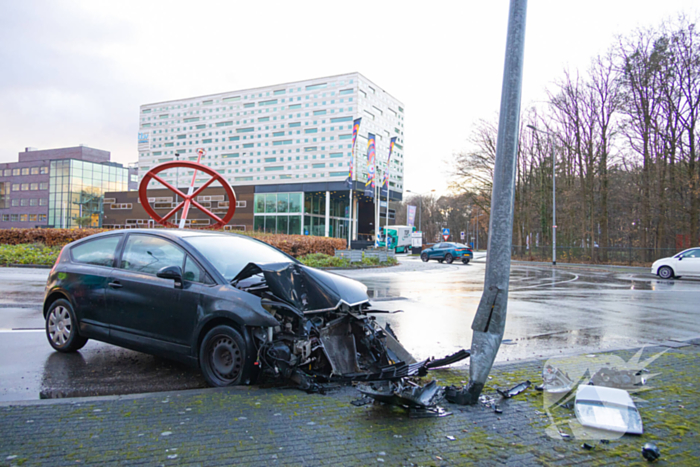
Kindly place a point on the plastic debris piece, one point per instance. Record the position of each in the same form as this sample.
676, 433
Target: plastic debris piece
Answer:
555, 381
586, 446
621, 379
564, 435
451, 438
497, 409
607, 409
650, 452
515, 390
604, 441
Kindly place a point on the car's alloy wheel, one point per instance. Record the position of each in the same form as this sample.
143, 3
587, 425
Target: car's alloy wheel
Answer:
424, 257
665, 272
449, 258
62, 327
222, 357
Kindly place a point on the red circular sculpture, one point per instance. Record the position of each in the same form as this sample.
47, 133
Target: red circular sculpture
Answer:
187, 199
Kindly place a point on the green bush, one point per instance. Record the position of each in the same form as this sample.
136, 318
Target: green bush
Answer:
29, 253
321, 260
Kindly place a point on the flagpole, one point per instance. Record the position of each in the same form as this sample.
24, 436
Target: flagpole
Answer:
352, 185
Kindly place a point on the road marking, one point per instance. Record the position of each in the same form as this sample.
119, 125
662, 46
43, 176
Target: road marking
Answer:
22, 330
548, 284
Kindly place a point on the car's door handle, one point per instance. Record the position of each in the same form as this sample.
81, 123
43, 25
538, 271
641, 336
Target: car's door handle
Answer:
116, 285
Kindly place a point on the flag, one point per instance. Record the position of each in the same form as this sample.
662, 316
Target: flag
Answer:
371, 164
385, 180
355, 130
411, 215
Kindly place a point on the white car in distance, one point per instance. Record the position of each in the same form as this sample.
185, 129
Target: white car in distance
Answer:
685, 263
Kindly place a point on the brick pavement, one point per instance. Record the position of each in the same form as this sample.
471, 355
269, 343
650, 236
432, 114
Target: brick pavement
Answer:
276, 426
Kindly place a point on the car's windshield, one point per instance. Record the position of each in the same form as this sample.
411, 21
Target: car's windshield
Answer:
230, 254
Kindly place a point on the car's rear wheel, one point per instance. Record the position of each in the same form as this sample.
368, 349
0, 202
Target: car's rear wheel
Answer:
62, 327
665, 272
449, 258
222, 357
424, 257
465, 260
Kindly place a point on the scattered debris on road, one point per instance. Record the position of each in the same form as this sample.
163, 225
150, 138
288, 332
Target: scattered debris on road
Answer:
650, 452
607, 409
555, 381
515, 390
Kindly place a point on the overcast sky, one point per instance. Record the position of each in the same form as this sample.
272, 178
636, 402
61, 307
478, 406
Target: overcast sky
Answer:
76, 72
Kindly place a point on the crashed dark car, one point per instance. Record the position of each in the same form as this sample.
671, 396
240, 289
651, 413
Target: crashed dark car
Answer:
232, 305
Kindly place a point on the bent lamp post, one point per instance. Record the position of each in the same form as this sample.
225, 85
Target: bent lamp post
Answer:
490, 320
189, 199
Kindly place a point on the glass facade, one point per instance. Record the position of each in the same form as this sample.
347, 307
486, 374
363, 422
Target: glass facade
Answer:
278, 213
76, 191
285, 213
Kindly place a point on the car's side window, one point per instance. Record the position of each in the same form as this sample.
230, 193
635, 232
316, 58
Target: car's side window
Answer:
148, 254
692, 254
194, 273
99, 252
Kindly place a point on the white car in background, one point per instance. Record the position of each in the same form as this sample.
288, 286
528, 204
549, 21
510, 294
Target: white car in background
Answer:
685, 263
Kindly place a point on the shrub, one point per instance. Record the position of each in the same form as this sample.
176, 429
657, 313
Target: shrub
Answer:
29, 254
294, 245
321, 260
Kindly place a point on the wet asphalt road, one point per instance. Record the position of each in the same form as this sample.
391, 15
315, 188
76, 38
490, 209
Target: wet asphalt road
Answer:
551, 311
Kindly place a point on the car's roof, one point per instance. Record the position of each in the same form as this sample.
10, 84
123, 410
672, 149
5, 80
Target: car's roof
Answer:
172, 233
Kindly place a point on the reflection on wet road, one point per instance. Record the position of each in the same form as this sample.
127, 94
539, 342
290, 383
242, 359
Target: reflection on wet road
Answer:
551, 311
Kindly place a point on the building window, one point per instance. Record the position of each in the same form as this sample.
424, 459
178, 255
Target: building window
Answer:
25, 171
15, 202
8, 172
25, 186
35, 171
14, 217
42, 217
44, 186
24, 217
15, 172
24, 202
33, 202
15, 187
34, 186
44, 170
32, 218
43, 202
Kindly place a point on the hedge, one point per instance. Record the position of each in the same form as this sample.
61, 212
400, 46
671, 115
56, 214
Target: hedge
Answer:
295, 245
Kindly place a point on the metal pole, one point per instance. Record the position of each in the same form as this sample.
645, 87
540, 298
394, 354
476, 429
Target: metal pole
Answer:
554, 205
420, 213
177, 180
477, 228
489, 322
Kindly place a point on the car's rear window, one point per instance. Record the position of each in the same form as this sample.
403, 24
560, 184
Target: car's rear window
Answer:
230, 254
99, 252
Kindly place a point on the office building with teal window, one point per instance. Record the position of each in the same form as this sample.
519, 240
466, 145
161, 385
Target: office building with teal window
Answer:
291, 141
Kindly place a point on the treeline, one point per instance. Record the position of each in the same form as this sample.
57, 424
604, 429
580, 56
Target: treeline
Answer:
624, 134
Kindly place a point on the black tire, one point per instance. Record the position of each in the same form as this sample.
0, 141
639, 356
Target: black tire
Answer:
424, 257
440, 261
222, 357
665, 272
62, 327
465, 260
449, 258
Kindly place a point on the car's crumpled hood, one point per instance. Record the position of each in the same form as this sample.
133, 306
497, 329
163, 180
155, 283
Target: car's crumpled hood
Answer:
306, 288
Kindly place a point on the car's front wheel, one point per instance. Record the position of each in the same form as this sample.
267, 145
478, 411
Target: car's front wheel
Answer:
665, 272
62, 327
449, 258
424, 257
222, 357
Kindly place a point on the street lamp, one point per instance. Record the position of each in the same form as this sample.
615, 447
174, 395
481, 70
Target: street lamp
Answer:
550, 137
420, 207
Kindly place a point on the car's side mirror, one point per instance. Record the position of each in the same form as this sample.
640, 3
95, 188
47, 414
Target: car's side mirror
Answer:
171, 272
